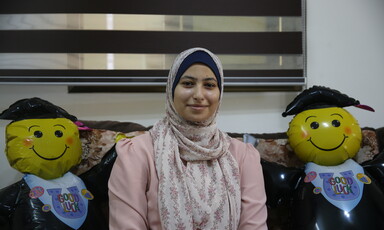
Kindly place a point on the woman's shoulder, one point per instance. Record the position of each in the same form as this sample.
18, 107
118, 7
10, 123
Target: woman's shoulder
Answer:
239, 145
144, 137
243, 151
142, 143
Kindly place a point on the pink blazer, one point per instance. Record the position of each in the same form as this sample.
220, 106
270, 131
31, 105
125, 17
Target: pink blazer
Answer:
133, 186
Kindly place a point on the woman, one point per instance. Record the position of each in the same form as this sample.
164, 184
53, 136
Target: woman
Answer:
186, 173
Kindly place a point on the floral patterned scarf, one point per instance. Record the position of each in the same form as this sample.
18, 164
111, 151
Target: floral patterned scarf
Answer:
204, 193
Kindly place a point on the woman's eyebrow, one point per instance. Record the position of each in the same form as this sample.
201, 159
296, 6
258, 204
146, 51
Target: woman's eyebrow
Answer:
210, 79
194, 78
188, 77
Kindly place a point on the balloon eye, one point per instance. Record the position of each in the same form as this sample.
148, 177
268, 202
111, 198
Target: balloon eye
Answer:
314, 125
38, 134
336, 123
58, 133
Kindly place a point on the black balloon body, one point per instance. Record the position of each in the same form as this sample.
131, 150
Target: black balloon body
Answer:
313, 211
18, 211
292, 203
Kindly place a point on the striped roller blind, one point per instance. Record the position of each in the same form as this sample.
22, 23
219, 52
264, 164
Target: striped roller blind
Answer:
129, 45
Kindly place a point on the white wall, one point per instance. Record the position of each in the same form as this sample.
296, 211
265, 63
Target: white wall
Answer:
345, 51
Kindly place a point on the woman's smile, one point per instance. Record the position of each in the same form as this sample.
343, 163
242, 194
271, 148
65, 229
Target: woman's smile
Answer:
197, 107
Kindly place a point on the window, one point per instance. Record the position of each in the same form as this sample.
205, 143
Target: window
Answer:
130, 45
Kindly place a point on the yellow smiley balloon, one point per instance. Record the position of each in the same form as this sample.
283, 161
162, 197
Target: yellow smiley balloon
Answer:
326, 136
47, 148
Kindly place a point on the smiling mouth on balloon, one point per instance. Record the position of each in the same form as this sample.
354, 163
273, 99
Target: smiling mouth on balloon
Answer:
342, 142
49, 159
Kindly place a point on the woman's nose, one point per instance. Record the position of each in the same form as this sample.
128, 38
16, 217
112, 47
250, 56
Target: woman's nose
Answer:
198, 93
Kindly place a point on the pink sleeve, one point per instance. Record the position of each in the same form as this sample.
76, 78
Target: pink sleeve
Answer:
253, 197
127, 188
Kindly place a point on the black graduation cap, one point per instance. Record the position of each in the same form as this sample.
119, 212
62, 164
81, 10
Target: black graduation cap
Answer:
321, 97
34, 108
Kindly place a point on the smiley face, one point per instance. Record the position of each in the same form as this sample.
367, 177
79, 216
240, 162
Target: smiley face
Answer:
47, 148
326, 136
55, 133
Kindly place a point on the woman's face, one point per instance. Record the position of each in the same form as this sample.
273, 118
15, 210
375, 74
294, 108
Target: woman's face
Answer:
197, 94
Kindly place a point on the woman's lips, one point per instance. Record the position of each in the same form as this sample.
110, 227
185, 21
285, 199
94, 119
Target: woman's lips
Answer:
197, 107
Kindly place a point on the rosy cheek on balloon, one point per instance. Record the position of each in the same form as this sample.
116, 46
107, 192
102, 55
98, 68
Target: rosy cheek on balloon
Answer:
28, 142
304, 134
69, 140
348, 130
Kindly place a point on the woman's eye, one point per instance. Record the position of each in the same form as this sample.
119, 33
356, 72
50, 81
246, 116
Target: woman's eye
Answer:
336, 123
58, 133
38, 134
210, 85
314, 125
187, 83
